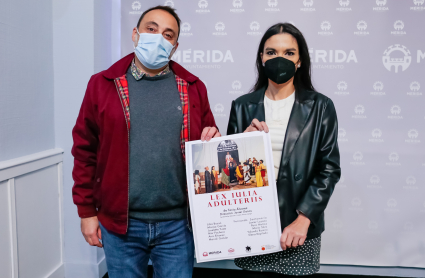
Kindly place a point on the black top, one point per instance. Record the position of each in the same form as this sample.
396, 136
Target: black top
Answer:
310, 166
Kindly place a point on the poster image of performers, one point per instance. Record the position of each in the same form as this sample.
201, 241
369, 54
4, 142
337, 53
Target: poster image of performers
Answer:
232, 196
229, 164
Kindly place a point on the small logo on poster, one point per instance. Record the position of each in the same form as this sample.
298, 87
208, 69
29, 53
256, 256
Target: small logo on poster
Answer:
248, 249
205, 254
231, 250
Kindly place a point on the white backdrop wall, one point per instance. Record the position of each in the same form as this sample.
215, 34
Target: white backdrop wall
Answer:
369, 58
26, 73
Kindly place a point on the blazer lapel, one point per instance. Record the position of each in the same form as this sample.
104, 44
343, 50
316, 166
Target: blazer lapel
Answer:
299, 115
256, 106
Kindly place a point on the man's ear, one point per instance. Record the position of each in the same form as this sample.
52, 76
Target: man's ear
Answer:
174, 50
135, 37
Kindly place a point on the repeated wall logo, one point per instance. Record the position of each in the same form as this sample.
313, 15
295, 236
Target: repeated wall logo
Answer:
410, 183
361, 27
169, 3
393, 159
359, 111
236, 88
308, 6
398, 28
344, 6
378, 88
210, 59
418, 6
395, 113
342, 88
185, 28
203, 5
219, 109
357, 157
254, 27
392, 205
414, 89
373, 227
331, 59
342, 133
396, 63
376, 136
237, 5
337, 225
272, 6
374, 182
356, 204
412, 136
136, 6
325, 26
380, 6
219, 27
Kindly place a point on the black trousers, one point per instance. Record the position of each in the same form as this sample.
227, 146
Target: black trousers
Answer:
257, 274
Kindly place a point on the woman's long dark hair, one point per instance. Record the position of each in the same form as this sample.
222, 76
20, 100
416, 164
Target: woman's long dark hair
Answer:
302, 78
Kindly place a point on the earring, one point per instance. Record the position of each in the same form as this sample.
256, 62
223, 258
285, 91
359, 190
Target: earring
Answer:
299, 65
264, 64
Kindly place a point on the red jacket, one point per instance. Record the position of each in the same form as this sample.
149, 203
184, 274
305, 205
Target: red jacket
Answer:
101, 141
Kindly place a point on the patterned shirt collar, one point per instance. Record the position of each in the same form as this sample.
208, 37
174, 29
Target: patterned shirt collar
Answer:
138, 73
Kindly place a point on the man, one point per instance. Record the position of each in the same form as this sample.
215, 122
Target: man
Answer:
123, 193
208, 181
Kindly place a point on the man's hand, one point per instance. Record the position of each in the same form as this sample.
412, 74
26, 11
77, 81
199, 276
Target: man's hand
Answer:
296, 233
256, 125
91, 231
209, 132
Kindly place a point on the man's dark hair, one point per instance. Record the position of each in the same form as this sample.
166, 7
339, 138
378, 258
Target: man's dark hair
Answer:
168, 9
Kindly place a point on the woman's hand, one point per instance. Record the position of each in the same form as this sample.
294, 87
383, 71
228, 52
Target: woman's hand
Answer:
210, 132
296, 233
256, 125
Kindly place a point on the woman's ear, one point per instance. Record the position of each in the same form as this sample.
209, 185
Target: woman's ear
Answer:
261, 55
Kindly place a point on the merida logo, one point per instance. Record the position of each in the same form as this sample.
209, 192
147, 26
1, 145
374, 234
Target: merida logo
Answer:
282, 74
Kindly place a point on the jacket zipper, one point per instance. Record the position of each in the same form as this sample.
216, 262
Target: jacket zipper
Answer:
128, 142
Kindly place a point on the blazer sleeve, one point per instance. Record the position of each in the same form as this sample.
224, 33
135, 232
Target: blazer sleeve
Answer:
232, 126
84, 150
207, 115
317, 196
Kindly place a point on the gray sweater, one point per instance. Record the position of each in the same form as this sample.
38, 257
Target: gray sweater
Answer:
157, 169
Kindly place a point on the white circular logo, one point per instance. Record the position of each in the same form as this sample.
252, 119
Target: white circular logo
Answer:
395, 110
219, 26
378, 86
398, 25
413, 133
203, 4
308, 3
237, 3
344, 3
361, 25
272, 3
374, 179
254, 26
410, 180
393, 156
359, 109
341, 132
376, 133
395, 63
381, 2
236, 85
169, 3
356, 202
325, 25
342, 85
418, 2
415, 86
185, 27
219, 108
357, 156
136, 5
373, 225
392, 203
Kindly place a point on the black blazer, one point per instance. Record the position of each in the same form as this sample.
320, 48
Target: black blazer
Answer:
309, 168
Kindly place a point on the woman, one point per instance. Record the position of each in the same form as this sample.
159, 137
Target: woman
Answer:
263, 171
232, 171
303, 129
197, 182
214, 177
246, 173
228, 159
258, 177
239, 173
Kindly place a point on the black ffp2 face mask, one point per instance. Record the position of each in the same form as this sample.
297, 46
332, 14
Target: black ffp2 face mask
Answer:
279, 69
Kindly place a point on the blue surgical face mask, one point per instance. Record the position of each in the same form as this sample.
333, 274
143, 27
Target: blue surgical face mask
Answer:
153, 50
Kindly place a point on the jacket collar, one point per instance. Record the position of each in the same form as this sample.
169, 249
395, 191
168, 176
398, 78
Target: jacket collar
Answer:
120, 68
297, 120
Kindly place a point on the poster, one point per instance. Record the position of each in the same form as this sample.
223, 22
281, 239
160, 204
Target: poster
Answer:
233, 197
